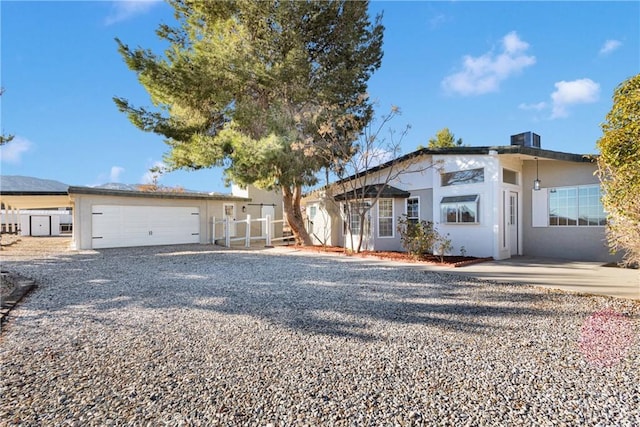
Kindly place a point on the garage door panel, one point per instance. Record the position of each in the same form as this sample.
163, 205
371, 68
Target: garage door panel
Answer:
121, 226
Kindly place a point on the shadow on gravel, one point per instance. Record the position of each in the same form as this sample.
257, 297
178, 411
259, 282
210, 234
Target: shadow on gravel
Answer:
329, 296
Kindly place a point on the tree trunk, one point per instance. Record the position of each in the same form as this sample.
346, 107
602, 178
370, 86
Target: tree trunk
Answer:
293, 214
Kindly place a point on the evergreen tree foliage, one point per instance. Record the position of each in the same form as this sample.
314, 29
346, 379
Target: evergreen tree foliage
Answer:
444, 139
619, 170
244, 84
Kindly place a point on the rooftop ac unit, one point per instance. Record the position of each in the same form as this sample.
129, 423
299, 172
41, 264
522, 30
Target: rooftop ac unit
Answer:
526, 139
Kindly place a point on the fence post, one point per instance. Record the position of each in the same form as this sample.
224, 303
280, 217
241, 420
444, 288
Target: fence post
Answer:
213, 230
227, 230
268, 227
247, 233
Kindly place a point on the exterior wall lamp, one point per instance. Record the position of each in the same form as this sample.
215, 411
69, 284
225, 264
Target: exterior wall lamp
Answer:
536, 183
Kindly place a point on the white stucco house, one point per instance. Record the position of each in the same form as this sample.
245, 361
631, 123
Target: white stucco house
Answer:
483, 198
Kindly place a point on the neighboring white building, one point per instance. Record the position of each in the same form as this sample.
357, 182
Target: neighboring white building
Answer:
483, 199
36, 222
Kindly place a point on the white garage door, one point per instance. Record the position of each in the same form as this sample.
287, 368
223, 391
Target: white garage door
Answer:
121, 226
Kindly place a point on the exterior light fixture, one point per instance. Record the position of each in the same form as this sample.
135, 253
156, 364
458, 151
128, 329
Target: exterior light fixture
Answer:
536, 183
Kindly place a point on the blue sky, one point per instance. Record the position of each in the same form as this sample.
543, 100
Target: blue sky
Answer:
485, 70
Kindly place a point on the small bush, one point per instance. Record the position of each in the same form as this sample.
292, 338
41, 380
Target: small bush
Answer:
443, 245
419, 237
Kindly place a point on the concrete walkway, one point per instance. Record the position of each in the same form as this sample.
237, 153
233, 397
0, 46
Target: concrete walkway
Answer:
575, 276
567, 275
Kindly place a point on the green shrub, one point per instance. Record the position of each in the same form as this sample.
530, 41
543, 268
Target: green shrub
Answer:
418, 237
443, 245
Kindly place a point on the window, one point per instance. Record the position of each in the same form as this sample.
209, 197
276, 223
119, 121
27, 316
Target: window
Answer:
576, 206
459, 209
385, 218
413, 210
509, 177
313, 209
352, 213
470, 176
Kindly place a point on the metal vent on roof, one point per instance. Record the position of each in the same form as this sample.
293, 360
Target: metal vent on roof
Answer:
526, 139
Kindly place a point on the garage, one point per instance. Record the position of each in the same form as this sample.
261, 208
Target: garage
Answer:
122, 226
112, 218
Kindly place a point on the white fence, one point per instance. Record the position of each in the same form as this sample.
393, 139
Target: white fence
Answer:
228, 224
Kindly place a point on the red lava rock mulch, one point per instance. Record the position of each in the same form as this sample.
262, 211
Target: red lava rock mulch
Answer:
448, 260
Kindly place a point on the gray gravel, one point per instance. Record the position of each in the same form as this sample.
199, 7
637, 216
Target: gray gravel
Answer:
194, 335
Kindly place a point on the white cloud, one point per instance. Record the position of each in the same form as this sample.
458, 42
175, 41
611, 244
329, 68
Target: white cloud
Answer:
122, 10
483, 74
581, 91
610, 46
13, 151
116, 171
437, 21
535, 107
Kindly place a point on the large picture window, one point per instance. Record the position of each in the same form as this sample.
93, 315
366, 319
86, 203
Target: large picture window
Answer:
385, 218
576, 206
469, 176
460, 209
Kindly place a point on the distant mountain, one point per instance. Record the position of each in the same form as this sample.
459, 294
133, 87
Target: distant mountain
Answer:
118, 186
29, 184
137, 187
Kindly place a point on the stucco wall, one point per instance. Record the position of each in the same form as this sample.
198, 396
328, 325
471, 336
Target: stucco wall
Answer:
568, 242
479, 239
82, 213
258, 198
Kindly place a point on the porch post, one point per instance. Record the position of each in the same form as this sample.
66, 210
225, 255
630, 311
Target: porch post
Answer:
247, 233
227, 234
268, 226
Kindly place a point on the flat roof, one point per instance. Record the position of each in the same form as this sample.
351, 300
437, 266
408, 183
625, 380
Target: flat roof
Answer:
35, 199
155, 194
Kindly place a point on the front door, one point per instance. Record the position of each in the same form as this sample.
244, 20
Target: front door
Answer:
230, 214
513, 223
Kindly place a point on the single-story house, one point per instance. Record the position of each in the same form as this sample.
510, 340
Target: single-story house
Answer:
491, 201
108, 218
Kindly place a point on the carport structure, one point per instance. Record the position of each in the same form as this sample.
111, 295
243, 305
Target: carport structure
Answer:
13, 202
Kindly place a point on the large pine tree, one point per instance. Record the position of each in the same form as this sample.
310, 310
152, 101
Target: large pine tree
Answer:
248, 85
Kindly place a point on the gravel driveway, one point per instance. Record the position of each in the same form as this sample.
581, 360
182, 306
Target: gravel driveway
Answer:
196, 335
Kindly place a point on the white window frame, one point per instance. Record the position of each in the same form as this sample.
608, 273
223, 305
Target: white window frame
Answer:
462, 177
472, 198
313, 211
346, 230
516, 175
406, 209
380, 217
577, 188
